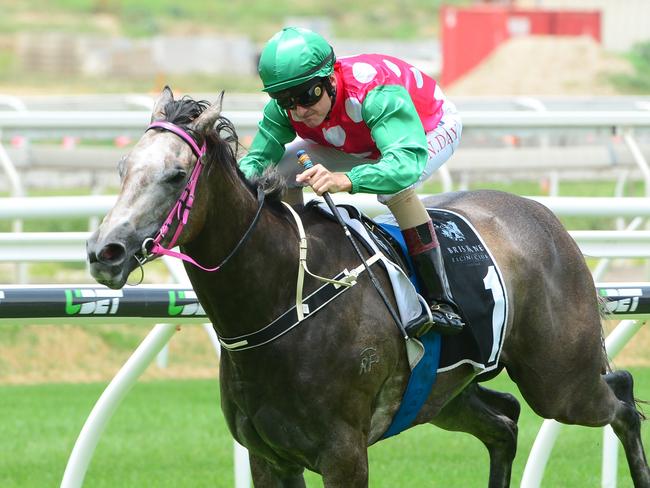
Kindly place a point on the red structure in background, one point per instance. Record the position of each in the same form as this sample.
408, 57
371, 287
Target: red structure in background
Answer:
469, 35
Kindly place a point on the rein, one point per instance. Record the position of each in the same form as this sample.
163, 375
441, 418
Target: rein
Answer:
180, 212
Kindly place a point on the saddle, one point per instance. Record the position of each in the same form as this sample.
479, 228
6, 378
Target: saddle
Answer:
388, 244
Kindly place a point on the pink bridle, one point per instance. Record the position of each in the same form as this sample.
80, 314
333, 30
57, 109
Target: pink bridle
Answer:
181, 210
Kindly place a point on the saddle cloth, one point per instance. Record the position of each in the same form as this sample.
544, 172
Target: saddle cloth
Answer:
477, 286
474, 277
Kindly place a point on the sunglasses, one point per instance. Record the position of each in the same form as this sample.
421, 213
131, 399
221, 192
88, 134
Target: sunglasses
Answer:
289, 101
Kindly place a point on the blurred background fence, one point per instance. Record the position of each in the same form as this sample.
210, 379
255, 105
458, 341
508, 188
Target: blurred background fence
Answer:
80, 139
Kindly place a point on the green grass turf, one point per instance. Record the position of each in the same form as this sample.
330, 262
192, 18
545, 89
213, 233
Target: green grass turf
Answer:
406, 19
172, 434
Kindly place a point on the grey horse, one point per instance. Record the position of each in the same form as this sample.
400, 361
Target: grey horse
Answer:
299, 402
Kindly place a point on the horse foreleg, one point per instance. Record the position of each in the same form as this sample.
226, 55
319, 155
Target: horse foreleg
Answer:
491, 417
627, 426
344, 464
267, 475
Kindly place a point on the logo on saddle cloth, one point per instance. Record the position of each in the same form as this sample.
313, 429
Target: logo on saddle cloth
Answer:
464, 252
450, 230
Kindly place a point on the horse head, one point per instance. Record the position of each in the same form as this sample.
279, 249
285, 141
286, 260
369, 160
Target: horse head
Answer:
153, 176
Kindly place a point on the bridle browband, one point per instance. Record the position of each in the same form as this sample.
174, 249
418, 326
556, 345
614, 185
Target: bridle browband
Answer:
180, 212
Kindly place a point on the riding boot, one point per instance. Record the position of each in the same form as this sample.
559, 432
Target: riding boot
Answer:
425, 252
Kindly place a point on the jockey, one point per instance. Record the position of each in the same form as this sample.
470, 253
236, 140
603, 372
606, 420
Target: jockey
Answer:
379, 124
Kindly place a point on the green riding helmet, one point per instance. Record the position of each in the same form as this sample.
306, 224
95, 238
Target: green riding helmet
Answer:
293, 56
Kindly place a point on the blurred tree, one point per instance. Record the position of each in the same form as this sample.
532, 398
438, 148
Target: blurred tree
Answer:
639, 81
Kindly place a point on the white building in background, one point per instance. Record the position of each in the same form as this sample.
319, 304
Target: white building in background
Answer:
624, 22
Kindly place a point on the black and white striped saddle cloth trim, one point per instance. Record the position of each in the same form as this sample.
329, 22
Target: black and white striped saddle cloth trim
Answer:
288, 320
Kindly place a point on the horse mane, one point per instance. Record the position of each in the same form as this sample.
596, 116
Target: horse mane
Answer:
182, 112
223, 144
273, 184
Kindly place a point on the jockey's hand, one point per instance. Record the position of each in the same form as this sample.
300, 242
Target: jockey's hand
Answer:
322, 180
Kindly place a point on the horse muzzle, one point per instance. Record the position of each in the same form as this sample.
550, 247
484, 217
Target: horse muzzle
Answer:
111, 260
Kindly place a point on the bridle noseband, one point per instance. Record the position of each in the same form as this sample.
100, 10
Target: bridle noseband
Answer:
180, 212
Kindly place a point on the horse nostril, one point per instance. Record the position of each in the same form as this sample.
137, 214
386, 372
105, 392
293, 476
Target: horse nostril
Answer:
112, 253
92, 257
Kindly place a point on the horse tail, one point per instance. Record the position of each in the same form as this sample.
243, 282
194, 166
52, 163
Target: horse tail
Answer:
606, 366
604, 315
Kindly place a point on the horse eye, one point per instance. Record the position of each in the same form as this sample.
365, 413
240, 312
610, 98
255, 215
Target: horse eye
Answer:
176, 176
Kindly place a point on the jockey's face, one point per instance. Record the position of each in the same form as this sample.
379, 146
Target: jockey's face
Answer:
314, 115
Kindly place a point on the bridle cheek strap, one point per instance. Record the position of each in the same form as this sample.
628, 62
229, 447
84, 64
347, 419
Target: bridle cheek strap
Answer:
181, 209
158, 249
180, 212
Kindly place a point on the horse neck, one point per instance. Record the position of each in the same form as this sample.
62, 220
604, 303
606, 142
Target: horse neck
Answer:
258, 282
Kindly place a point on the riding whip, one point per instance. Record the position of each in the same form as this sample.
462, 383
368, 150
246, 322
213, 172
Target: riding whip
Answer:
306, 162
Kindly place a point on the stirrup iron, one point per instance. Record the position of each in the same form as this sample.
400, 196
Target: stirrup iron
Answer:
439, 318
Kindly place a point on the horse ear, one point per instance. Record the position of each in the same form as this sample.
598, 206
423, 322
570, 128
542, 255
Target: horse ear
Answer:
165, 97
206, 120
